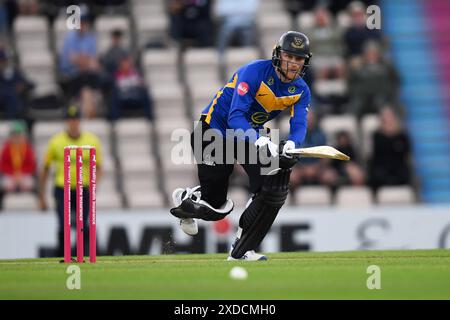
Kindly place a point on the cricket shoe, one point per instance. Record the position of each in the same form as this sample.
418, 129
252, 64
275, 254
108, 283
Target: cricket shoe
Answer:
250, 255
188, 225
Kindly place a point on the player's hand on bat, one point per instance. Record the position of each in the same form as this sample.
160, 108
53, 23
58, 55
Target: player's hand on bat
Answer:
289, 145
265, 142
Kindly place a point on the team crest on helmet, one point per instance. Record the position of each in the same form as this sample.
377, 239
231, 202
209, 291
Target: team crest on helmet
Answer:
297, 43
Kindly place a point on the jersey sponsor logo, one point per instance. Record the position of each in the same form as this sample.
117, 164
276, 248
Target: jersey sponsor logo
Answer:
260, 117
242, 88
270, 81
291, 89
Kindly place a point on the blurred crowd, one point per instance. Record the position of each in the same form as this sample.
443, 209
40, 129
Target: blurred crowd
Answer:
351, 74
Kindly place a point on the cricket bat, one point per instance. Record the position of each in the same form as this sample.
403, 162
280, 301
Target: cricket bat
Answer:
319, 152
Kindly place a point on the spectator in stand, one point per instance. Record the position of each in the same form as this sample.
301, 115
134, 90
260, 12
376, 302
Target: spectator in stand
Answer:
4, 22
313, 171
348, 172
17, 161
10, 11
294, 7
110, 62
28, 7
115, 53
325, 36
390, 163
337, 6
237, 20
328, 63
129, 90
358, 34
191, 20
372, 83
108, 3
79, 66
14, 89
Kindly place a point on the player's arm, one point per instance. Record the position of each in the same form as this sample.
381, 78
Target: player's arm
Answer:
298, 122
299, 119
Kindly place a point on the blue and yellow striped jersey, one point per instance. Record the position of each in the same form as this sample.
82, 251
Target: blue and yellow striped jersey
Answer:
255, 95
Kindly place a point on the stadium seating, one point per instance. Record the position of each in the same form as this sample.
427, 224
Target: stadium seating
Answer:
395, 195
305, 20
337, 87
272, 21
201, 66
313, 195
237, 57
332, 124
58, 32
169, 101
105, 24
201, 96
31, 34
151, 30
354, 197
369, 124
135, 146
5, 127
20, 201
39, 68
152, 22
176, 170
107, 195
161, 66
268, 6
343, 19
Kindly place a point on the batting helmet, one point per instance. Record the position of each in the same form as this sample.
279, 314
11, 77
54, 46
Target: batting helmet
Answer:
294, 43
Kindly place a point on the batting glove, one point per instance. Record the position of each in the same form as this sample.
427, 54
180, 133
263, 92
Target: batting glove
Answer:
265, 141
289, 145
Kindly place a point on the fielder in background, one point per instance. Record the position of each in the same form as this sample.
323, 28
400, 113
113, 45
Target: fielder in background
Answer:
255, 94
73, 135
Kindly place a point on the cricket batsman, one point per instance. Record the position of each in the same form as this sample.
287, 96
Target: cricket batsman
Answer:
256, 93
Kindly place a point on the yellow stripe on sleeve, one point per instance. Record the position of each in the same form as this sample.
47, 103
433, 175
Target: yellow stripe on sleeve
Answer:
232, 85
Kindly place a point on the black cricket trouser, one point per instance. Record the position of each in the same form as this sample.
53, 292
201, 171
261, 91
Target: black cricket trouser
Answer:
59, 199
214, 178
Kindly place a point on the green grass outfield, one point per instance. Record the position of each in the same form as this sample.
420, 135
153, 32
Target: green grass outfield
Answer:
418, 274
